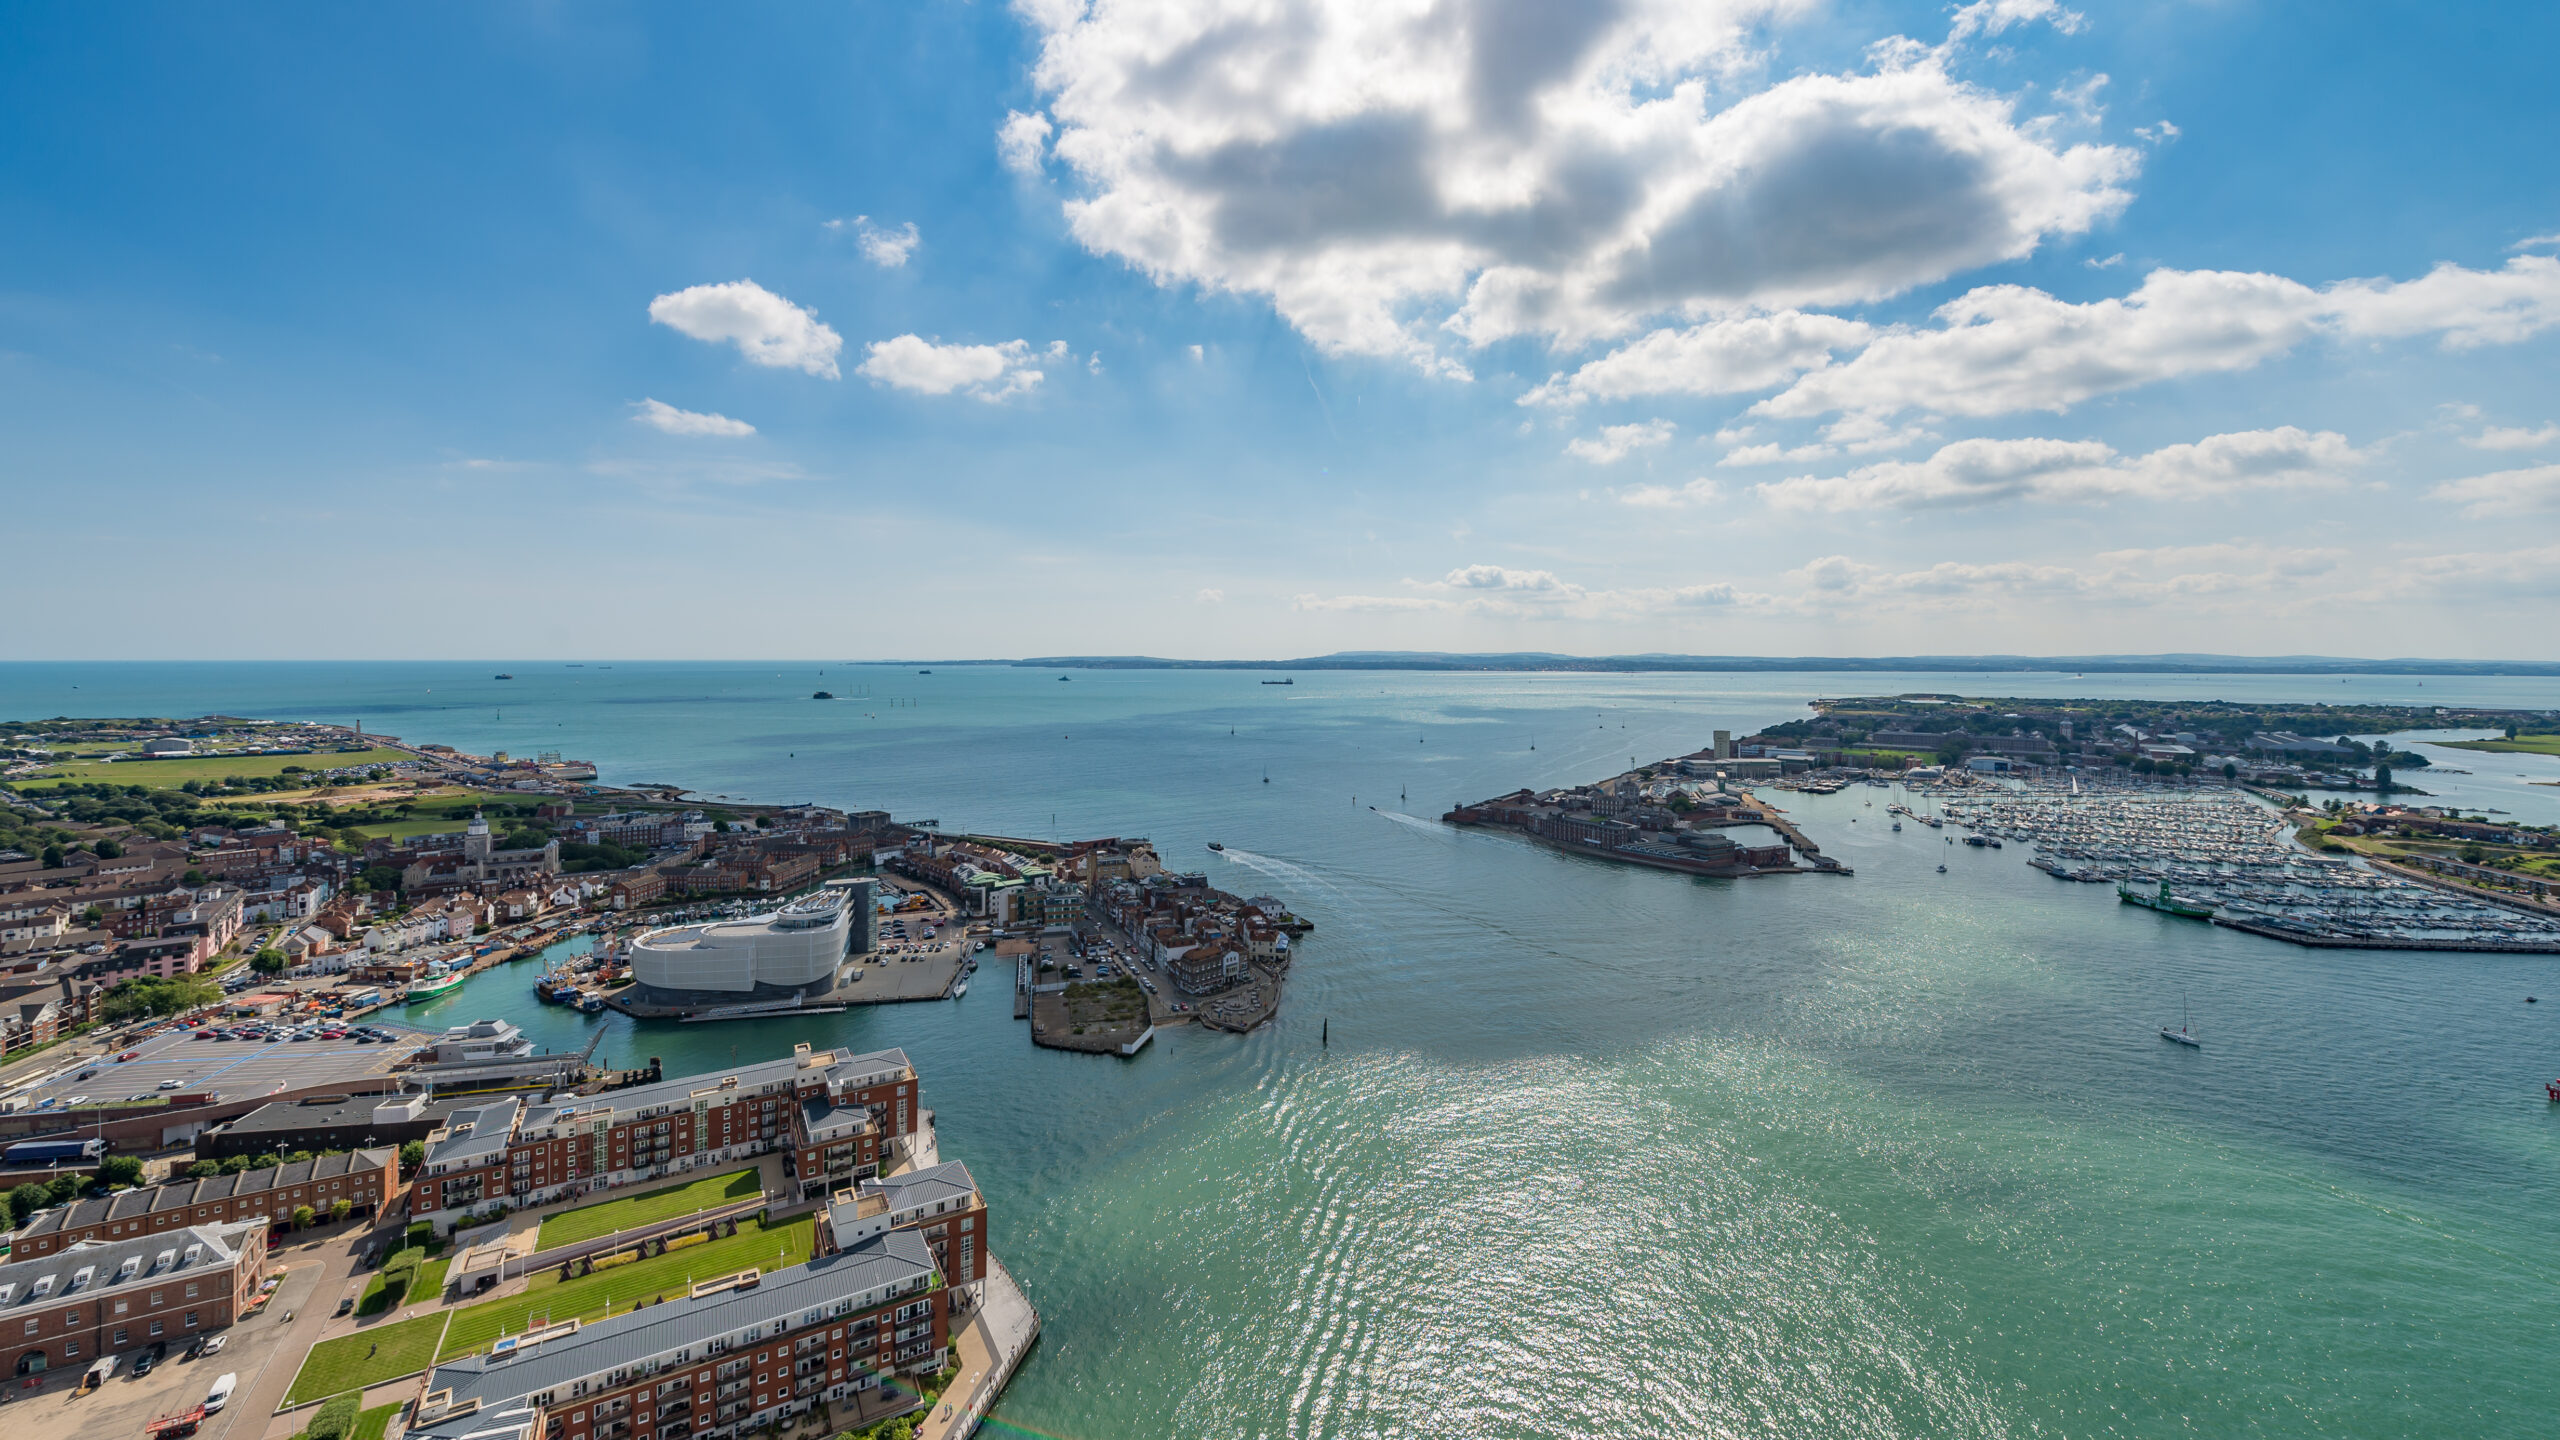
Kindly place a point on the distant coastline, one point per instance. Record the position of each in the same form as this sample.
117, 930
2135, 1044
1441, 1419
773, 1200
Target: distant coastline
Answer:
2175, 664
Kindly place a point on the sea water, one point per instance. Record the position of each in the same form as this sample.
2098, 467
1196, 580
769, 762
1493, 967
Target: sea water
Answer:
1603, 1150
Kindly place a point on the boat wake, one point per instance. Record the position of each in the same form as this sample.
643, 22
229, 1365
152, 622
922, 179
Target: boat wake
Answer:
1416, 822
1279, 869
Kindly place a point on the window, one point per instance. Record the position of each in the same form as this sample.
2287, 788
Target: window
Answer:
70, 1348
123, 1336
155, 1299
70, 1317
155, 1327
34, 1325
191, 1319
191, 1289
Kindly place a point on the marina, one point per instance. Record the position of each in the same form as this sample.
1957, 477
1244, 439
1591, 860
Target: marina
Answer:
2219, 855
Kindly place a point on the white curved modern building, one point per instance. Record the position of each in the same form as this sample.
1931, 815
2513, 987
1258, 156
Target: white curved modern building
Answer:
798, 948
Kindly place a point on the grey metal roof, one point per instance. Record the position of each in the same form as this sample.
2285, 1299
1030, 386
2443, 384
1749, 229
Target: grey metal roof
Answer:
491, 1126
104, 1258
181, 1194
763, 1072
882, 1262
949, 1181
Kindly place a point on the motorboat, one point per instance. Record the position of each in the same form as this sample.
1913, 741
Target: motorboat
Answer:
1214, 845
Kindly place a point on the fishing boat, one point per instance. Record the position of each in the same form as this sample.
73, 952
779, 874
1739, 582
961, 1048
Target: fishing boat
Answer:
592, 1004
2163, 902
430, 986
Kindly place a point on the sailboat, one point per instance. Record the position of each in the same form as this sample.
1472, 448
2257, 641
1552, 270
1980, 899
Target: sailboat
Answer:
2180, 1036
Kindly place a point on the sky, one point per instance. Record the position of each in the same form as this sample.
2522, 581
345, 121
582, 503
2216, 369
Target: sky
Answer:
1266, 328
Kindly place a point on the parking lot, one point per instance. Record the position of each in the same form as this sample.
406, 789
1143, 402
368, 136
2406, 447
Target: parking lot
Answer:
120, 1407
178, 1063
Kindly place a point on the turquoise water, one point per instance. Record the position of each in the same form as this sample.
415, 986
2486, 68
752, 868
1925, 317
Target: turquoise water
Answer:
1604, 1151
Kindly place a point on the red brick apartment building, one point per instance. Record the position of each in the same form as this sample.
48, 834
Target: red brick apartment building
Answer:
66, 1311
368, 1179
832, 1111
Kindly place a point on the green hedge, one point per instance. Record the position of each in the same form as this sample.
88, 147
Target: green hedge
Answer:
335, 1417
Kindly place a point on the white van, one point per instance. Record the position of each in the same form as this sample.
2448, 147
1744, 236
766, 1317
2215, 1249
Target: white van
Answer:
220, 1394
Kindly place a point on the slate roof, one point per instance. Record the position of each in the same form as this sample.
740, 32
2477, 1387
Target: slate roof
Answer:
179, 1194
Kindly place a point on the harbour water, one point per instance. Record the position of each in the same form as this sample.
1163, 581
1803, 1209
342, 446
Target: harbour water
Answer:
1596, 1150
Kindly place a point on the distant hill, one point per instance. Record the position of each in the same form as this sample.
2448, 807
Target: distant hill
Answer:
2188, 664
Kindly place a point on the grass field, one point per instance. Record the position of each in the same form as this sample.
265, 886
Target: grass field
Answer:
586, 1223
373, 1423
2521, 745
403, 829
170, 774
551, 1300
429, 1281
368, 1357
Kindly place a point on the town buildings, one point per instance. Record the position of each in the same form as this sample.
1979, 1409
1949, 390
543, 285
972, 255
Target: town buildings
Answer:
69, 1308
367, 1179
799, 949
833, 1114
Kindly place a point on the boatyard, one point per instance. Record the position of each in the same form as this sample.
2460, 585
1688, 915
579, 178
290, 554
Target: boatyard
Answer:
2217, 855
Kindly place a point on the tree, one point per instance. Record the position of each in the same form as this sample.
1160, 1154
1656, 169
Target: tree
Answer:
339, 1207
65, 1187
146, 995
53, 857
269, 961
108, 850
2381, 779
412, 1155
121, 1171
2230, 771
26, 1200
303, 1215
267, 1161
336, 1417
204, 1169
192, 878
235, 1164
93, 917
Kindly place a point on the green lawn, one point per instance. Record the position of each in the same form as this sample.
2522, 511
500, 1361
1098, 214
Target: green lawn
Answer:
586, 1223
428, 1284
551, 1301
368, 1357
403, 829
2521, 745
374, 1422
170, 774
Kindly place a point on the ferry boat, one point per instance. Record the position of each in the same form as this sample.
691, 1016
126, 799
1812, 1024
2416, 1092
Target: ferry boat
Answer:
2163, 902
430, 986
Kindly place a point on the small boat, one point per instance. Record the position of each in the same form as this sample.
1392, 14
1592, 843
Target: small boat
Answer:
2181, 1035
1897, 825
1064, 678
960, 989
1942, 869
924, 672
502, 676
1214, 845
1291, 681
593, 1004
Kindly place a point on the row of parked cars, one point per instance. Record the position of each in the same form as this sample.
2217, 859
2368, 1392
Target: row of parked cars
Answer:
274, 1034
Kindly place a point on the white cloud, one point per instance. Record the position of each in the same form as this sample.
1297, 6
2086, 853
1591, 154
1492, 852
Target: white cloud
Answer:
1367, 604
989, 372
1499, 577
766, 328
1982, 472
1720, 357
1394, 177
2508, 492
2509, 437
1022, 142
2536, 242
1211, 595
1697, 493
2484, 575
2104, 262
887, 249
1990, 17
1502, 591
1617, 442
658, 415
2006, 348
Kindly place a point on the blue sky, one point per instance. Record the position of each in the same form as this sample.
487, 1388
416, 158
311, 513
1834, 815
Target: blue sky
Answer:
1773, 328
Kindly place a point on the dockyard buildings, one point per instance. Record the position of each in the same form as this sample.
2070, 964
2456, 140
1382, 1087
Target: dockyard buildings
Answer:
833, 1113
71, 1308
367, 1179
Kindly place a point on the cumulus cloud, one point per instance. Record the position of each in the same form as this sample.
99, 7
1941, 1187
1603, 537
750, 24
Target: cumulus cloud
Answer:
988, 372
2508, 492
1983, 472
2509, 437
1697, 493
2001, 349
1394, 177
1211, 595
1990, 17
766, 328
887, 249
1721, 357
1617, 442
1022, 142
659, 415
1502, 591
